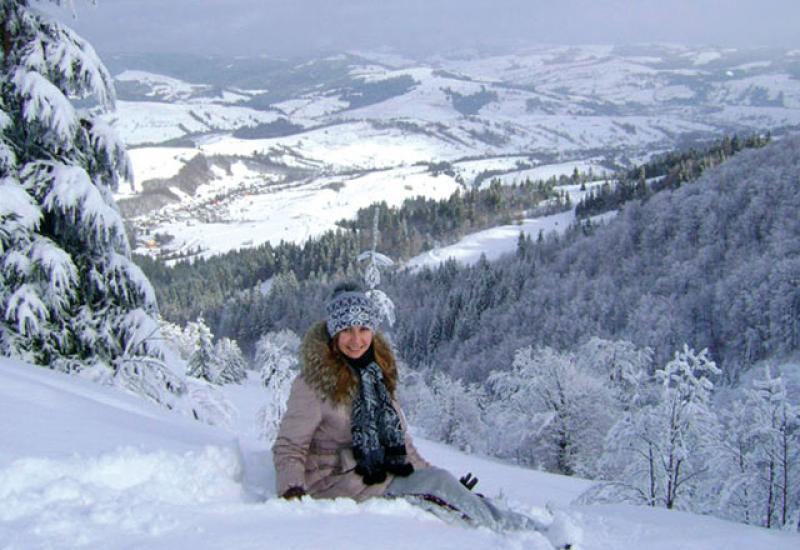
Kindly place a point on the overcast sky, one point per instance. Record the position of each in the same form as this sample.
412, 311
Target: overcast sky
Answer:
289, 27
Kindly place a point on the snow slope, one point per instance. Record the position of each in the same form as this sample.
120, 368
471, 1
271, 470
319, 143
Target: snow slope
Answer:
87, 466
498, 241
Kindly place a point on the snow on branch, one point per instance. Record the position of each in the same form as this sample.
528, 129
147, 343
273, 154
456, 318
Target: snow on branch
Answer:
45, 105
61, 273
26, 309
17, 207
70, 190
66, 59
110, 150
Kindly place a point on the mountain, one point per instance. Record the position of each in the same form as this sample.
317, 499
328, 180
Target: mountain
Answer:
235, 152
112, 471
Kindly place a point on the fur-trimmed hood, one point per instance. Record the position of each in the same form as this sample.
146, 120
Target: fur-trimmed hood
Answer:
327, 373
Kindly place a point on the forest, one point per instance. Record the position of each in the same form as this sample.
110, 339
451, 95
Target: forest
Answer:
655, 354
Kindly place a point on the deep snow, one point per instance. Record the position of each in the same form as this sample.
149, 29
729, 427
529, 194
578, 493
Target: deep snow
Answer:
89, 466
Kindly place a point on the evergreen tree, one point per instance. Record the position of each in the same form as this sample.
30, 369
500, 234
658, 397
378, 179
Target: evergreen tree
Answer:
203, 362
69, 294
232, 365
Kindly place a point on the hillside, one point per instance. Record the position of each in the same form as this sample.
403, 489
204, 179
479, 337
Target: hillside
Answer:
235, 153
712, 264
103, 469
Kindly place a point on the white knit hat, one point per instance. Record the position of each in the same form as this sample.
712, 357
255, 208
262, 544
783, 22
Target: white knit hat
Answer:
350, 308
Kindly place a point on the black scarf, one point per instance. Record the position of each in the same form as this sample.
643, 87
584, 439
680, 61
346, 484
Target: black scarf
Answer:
378, 440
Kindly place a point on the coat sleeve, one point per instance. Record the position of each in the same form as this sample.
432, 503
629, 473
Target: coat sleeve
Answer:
413, 455
303, 416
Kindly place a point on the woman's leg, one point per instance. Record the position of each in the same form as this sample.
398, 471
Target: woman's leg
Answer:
443, 485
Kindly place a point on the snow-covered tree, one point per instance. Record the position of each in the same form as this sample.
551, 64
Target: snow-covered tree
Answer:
69, 294
276, 359
203, 362
449, 410
626, 368
206, 403
276, 352
660, 454
762, 476
181, 339
554, 411
232, 365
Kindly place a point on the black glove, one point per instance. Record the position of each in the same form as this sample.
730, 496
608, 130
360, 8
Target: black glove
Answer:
371, 473
402, 469
294, 492
395, 461
469, 481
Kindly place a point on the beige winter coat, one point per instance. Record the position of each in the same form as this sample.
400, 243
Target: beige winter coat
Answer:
313, 449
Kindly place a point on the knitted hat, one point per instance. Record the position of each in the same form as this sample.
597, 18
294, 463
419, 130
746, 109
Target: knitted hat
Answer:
350, 307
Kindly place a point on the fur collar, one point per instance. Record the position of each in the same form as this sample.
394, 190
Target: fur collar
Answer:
327, 373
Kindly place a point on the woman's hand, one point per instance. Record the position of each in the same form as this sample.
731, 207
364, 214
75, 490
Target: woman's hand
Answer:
294, 492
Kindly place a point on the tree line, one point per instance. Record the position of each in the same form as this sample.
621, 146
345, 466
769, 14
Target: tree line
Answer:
667, 171
204, 285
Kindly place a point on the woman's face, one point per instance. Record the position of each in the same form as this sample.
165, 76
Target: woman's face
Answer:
354, 341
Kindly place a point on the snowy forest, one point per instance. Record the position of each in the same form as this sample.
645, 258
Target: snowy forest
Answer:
646, 352
655, 353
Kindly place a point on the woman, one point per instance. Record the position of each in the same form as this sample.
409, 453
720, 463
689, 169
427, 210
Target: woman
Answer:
344, 434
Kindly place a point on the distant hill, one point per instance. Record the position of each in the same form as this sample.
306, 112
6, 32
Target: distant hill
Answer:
336, 119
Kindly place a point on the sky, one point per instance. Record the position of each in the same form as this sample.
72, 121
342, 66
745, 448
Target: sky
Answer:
300, 27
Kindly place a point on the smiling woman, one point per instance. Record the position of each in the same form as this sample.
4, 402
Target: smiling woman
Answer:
344, 434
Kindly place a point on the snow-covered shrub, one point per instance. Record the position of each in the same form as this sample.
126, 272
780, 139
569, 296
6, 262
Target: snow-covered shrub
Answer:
276, 352
181, 340
208, 404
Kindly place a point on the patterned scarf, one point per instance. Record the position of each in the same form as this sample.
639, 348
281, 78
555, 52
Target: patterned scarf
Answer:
378, 441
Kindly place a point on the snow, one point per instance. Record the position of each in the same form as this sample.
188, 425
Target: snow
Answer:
72, 190
704, 58
45, 104
143, 122
498, 241
154, 163
88, 466
17, 201
295, 213
165, 87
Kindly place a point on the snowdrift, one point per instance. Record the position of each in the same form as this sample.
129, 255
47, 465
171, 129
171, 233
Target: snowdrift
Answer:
87, 466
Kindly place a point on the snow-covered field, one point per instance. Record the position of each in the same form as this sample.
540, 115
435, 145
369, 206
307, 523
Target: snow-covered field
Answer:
533, 113
89, 466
